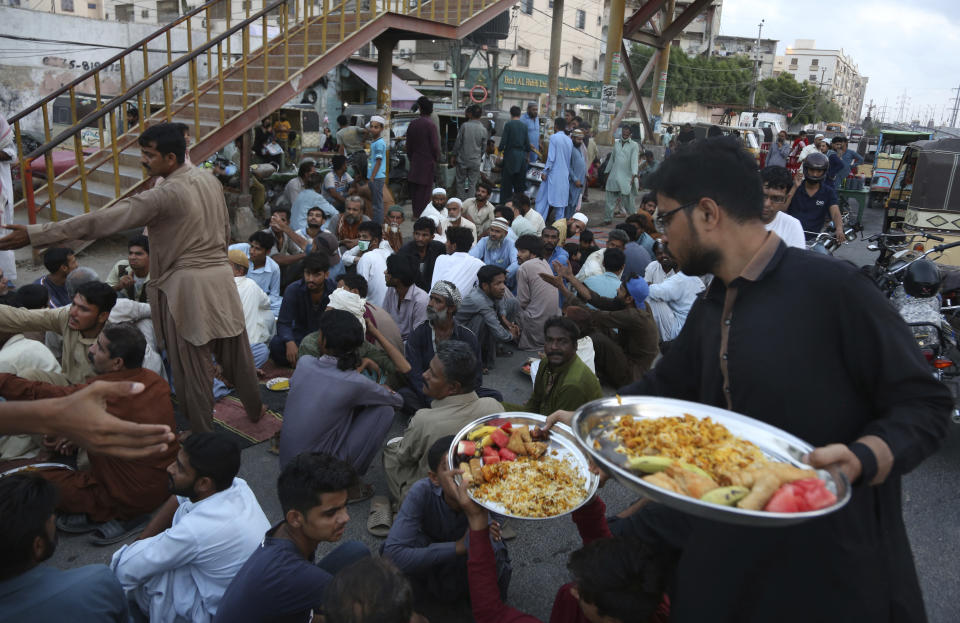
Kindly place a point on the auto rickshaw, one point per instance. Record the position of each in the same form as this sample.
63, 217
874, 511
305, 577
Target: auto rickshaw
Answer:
890, 149
925, 194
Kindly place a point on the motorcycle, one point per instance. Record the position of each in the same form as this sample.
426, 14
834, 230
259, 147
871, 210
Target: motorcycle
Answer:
826, 242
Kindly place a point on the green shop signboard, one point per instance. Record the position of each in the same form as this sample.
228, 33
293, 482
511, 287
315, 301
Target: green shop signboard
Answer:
533, 83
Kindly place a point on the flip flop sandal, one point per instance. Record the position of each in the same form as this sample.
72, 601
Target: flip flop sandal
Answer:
76, 523
115, 531
380, 517
359, 493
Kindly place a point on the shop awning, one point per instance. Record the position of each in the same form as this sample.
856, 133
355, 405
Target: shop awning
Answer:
402, 94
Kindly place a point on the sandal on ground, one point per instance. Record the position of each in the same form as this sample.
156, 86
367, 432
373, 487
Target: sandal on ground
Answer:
76, 523
359, 493
115, 531
380, 517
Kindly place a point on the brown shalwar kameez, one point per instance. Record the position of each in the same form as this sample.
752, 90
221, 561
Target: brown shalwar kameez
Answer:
194, 303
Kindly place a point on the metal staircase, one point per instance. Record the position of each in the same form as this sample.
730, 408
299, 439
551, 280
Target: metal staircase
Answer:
234, 78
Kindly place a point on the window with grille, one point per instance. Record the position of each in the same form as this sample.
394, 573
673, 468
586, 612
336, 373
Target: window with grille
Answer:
527, 6
66, 6
523, 57
581, 22
793, 62
815, 62
812, 78
145, 14
124, 12
576, 66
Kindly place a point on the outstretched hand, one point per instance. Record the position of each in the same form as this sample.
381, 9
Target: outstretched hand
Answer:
553, 280
16, 239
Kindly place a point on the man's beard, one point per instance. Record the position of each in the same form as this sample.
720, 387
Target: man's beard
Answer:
186, 492
439, 206
434, 317
549, 247
351, 219
700, 260
494, 244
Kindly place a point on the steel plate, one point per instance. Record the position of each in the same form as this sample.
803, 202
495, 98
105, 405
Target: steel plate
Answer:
594, 420
561, 439
35, 467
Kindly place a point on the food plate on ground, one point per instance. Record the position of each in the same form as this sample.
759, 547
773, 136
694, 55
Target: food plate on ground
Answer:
279, 384
707, 461
517, 470
525, 368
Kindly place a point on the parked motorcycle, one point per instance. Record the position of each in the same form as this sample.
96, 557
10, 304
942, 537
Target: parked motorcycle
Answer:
826, 242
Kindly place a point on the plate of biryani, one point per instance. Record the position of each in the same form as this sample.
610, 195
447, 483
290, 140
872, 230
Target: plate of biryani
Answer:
515, 469
707, 461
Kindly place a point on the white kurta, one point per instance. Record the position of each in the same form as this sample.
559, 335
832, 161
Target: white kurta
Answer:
257, 314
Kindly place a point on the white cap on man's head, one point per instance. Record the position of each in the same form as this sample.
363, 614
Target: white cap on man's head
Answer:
818, 136
378, 119
439, 191
580, 216
454, 200
501, 223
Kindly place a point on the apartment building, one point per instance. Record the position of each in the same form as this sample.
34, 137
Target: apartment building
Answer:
747, 46
700, 35
76, 8
833, 70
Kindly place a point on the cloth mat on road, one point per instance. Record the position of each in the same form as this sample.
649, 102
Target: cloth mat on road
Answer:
230, 416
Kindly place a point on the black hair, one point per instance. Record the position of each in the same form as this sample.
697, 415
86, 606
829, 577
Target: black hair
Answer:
649, 197
370, 590
515, 111
531, 243
631, 230
213, 456
551, 228
439, 447
318, 209
586, 236
778, 178
460, 364
182, 127
27, 502
647, 154
56, 257
305, 167
342, 120
578, 119
560, 124
314, 181
424, 105
505, 213
342, 336
425, 223
264, 239
98, 293
354, 281
308, 476
618, 234
139, 241
564, 324
460, 237
621, 577
486, 185
281, 209
802, 133
372, 228
520, 199
714, 131
614, 260
338, 161
32, 296
127, 343
166, 138
486, 273
402, 267
316, 263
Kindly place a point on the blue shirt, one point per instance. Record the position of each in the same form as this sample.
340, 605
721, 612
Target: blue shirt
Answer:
505, 256
834, 167
58, 294
298, 316
425, 532
378, 151
812, 211
46, 594
308, 198
850, 158
533, 133
267, 277
606, 285
560, 255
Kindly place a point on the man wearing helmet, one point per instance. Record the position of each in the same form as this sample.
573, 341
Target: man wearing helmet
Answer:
811, 200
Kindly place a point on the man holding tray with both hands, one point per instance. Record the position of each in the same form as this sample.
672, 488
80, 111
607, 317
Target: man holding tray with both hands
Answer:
805, 343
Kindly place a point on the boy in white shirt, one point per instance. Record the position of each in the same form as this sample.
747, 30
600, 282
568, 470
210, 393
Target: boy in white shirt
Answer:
777, 183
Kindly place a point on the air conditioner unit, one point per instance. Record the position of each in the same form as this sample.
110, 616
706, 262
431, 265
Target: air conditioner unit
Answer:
440, 65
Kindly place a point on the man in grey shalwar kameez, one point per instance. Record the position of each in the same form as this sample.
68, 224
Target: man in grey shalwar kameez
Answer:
537, 298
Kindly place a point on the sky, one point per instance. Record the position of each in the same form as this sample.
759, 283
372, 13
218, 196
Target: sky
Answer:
910, 46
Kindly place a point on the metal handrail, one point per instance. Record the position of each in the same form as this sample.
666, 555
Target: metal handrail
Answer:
136, 47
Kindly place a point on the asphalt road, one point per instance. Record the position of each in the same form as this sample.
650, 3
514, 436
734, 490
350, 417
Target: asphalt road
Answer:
539, 554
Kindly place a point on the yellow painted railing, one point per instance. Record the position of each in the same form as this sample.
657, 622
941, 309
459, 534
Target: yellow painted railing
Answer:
114, 118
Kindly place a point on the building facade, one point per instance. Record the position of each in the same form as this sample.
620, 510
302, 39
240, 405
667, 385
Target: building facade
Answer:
700, 35
831, 69
747, 46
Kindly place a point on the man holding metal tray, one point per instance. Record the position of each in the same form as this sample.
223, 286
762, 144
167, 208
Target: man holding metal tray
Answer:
804, 343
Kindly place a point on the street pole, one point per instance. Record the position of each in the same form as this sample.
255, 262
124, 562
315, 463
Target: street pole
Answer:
608, 98
455, 75
660, 75
956, 108
553, 71
756, 67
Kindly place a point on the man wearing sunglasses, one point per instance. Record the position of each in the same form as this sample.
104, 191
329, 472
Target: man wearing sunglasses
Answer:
777, 183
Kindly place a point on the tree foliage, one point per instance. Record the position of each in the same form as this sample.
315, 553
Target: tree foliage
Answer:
725, 81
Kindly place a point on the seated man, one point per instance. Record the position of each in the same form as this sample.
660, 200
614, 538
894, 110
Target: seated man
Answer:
519, 225
258, 318
304, 302
421, 346
393, 221
593, 265
366, 312
437, 208
496, 249
565, 382
449, 383
458, 266
129, 277
78, 324
264, 271
662, 267
280, 581
455, 218
287, 244
479, 209
346, 226
310, 197
33, 591
295, 186
639, 250
490, 313
59, 262
372, 262
424, 250
24, 351
521, 204
671, 301
428, 541
607, 283
356, 412
199, 539
336, 182
535, 297
568, 228
405, 301
552, 249
112, 488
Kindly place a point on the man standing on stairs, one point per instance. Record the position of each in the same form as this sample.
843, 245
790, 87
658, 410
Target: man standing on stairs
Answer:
194, 304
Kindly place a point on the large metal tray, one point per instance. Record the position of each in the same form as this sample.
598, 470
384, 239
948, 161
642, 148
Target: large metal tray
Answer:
594, 420
561, 439
36, 466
